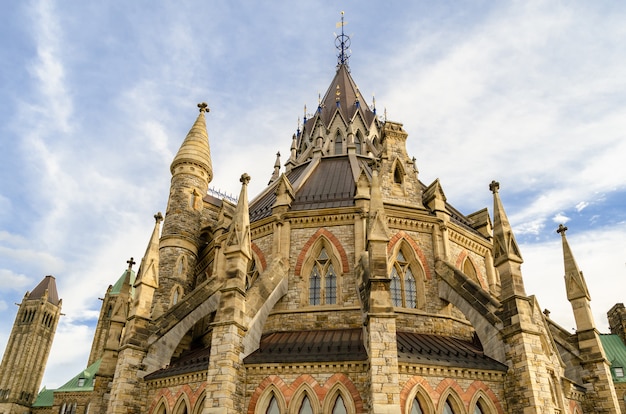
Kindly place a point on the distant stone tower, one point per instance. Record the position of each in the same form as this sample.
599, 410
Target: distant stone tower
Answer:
28, 348
191, 174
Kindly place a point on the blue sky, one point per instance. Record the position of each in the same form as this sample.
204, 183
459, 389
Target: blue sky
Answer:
96, 97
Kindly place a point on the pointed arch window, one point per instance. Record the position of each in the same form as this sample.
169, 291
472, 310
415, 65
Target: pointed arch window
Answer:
305, 407
177, 294
358, 141
338, 143
252, 274
272, 408
398, 175
479, 408
340, 406
403, 284
447, 408
470, 270
416, 408
323, 281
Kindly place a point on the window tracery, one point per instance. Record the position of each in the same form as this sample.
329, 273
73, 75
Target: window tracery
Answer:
403, 283
323, 281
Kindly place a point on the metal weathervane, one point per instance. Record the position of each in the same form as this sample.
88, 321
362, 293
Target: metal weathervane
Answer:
342, 43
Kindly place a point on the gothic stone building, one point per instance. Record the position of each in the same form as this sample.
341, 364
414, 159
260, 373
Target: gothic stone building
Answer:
346, 286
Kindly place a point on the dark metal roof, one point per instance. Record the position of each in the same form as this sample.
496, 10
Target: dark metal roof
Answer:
48, 283
262, 207
310, 346
191, 361
330, 185
443, 350
348, 345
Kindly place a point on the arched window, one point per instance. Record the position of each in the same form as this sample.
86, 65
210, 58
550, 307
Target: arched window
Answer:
398, 175
323, 281
447, 408
470, 270
416, 408
479, 409
305, 407
403, 284
358, 140
339, 407
252, 274
272, 408
177, 294
162, 409
338, 143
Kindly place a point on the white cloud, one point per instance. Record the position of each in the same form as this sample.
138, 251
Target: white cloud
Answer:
10, 280
560, 218
581, 206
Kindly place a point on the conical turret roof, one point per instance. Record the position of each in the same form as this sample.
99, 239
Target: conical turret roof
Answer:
195, 148
343, 96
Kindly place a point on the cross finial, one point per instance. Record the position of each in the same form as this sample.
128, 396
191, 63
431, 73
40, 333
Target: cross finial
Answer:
494, 186
204, 107
245, 179
561, 230
130, 262
158, 217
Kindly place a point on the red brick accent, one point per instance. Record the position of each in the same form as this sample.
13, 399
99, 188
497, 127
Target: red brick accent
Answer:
409, 386
320, 391
574, 407
171, 399
459, 263
331, 239
402, 235
435, 394
259, 254
270, 380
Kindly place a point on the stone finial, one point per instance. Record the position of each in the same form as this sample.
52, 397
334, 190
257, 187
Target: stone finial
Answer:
158, 217
561, 230
245, 179
204, 107
546, 312
494, 186
131, 262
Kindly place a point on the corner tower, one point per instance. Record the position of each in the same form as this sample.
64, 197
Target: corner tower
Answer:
191, 174
28, 348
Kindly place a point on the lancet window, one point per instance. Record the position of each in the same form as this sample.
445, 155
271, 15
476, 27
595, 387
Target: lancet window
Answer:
403, 283
323, 281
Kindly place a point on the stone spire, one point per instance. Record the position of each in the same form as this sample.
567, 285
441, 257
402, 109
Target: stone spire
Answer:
238, 239
276, 172
574, 281
195, 149
600, 397
506, 254
148, 275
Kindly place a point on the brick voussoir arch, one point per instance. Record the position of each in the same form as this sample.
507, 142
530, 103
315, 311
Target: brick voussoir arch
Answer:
270, 380
459, 264
402, 235
259, 254
410, 385
312, 240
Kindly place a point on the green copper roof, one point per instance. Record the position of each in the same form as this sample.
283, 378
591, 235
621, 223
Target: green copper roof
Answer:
615, 351
45, 398
117, 287
81, 382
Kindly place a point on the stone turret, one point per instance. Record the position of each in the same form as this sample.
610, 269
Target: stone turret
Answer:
191, 174
601, 396
381, 319
225, 363
534, 370
28, 348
